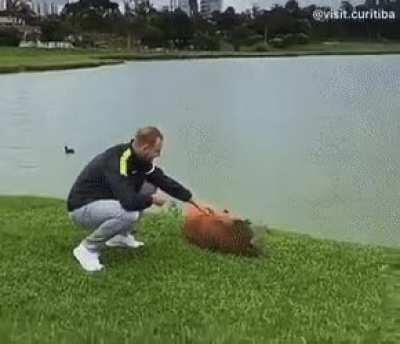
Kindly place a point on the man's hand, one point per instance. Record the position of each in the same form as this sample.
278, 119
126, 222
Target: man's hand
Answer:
203, 208
158, 200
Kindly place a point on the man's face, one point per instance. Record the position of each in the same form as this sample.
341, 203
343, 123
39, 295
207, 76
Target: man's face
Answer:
151, 151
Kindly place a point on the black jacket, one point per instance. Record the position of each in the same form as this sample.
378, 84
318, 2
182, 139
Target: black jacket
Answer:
119, 174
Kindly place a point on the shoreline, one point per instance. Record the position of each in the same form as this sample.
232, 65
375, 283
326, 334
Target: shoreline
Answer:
188, 55
273, 230
55, 67
105, 59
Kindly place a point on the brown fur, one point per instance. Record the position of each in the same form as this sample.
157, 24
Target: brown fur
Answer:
221, 232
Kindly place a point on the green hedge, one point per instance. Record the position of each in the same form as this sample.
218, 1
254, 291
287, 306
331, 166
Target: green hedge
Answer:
10, 37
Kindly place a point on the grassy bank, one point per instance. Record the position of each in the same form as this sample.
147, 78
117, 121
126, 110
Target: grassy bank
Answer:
27, 59
14, 60
391, 300
307, 291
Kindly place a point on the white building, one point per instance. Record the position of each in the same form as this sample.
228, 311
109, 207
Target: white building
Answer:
184, 6
53, 9
207, 7
173, 5
36, 8
138, 2
11, 21
190, 7
45, 9
3, 5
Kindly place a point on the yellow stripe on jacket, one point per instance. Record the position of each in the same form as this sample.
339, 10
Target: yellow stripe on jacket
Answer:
123, 162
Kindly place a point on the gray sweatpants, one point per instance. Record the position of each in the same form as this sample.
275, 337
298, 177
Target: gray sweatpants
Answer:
106, 218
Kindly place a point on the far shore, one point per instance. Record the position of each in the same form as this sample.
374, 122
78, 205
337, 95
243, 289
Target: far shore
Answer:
15, 60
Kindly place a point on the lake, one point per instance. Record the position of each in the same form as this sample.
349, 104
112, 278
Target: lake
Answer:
308, 144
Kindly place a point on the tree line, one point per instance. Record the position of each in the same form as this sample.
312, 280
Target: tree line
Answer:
87, 21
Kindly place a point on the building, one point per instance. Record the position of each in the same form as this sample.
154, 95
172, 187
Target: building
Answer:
207, 7
36, 8
190, 7
45, 9
11, 21
139, 2
53, 9
194, 7
3, 5
184, 6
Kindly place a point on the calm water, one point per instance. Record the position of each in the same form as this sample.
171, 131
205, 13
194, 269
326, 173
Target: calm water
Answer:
309, 144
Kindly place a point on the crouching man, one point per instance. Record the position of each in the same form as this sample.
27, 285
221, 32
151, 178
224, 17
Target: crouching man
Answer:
111, 192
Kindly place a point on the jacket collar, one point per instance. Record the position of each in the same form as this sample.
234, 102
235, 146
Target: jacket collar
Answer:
137, 164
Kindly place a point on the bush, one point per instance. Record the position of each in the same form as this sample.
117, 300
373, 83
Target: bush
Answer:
302, 38
289, 39
203, 41
85, 41
240, 36
277, 42
281, 41
54, 30
253, 39
153, 37
10, 37
260, 47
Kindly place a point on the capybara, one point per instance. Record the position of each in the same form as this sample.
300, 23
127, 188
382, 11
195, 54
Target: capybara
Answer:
220, 231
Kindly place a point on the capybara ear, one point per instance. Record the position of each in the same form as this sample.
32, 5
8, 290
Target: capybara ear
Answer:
226, 211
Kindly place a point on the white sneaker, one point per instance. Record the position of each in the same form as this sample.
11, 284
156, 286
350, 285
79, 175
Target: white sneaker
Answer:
89, 260
124, 241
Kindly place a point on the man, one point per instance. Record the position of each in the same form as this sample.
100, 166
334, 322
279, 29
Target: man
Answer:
112, 191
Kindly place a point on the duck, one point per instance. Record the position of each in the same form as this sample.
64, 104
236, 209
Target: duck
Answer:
68, 150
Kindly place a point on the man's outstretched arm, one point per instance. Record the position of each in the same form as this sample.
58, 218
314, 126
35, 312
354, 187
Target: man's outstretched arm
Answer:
169, 185
174, 189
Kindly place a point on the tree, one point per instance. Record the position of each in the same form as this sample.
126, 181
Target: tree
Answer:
280, 21
292, 6
182, 29
346, 6
240, 36
102, 8
259, 23
20, 9
54, 30
152, 37
92, 15
10, 36
204, 41
140, 24
226, 21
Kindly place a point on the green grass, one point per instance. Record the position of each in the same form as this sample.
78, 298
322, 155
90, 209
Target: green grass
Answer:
31, 59
348, 47
307, 291
391, 300
18, 56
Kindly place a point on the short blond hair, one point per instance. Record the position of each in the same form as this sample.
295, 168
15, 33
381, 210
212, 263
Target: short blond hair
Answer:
147, 135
